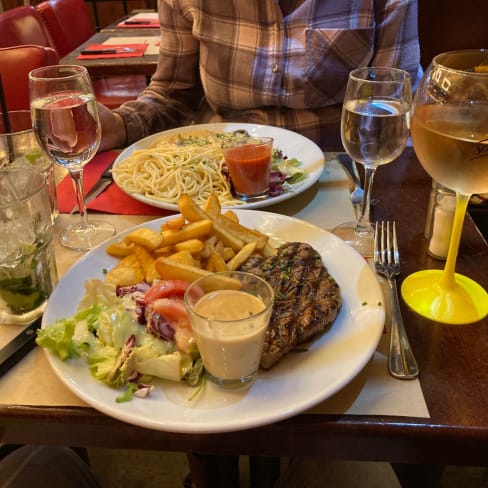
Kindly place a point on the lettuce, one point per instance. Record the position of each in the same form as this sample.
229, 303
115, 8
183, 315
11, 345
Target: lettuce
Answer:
159, 358
116, 347
58, 338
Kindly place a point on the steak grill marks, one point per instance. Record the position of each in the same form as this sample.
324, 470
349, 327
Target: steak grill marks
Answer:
307, 298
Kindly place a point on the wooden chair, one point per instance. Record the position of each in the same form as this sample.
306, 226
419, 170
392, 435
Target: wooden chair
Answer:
15, 64
69, 25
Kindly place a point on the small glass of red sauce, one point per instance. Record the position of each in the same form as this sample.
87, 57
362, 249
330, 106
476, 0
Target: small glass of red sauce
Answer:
249, 164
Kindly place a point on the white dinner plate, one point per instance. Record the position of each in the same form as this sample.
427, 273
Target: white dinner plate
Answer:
292, 144
298, 382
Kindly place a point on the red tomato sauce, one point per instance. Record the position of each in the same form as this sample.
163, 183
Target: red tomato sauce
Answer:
249, 168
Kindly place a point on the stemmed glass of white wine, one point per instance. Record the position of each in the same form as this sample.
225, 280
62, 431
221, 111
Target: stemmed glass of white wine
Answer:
450, 139
65, 119
374, 131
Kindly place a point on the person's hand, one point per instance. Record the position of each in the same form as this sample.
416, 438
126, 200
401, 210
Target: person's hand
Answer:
113, 129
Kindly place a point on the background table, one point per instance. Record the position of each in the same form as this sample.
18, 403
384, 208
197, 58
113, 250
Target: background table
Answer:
145, 65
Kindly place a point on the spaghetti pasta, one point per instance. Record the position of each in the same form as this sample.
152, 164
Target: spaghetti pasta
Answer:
172, 166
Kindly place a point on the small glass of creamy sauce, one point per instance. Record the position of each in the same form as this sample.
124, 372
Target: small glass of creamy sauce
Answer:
249, 164
229, 313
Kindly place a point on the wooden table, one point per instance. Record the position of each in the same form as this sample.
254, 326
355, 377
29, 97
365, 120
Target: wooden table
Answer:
452, 360
114, 27
144, 65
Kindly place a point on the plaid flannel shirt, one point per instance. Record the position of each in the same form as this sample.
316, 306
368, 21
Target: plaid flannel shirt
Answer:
245, 61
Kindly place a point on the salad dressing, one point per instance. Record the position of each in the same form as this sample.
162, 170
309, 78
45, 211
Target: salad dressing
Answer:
232, 350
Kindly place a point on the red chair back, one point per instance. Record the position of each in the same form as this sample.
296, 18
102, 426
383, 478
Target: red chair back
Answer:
23, 25
68, 22
15, 64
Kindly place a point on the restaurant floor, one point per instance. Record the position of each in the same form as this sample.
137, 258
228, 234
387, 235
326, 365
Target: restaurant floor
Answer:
150, 469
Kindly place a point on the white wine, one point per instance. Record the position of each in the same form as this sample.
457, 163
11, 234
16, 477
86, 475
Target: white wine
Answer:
451, 142
67, 126
374, 131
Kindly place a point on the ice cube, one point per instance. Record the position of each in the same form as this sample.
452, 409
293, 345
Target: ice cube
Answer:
16, 183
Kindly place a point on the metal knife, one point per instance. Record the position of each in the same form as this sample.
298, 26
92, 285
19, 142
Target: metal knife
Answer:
100, 186
109, 51
19, 346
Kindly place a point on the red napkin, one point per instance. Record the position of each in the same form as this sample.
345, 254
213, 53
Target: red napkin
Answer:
112, 200
139, 22
139, 51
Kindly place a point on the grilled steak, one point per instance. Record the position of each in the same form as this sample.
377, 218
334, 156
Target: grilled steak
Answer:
307, 298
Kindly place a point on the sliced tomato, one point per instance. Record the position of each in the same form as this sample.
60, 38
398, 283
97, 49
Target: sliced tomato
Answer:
173, 310
166, 289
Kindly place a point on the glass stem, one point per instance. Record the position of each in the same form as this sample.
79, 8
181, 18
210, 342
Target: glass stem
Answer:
77, 179
363, 223
447, 279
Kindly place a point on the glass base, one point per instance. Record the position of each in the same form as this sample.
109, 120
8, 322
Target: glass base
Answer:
252, 198
465, 303
83, 238
362, 241
233, 384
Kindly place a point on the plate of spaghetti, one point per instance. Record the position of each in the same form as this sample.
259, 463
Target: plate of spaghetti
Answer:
158, 169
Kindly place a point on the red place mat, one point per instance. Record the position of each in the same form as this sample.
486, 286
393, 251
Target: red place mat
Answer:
113, 200
140, 22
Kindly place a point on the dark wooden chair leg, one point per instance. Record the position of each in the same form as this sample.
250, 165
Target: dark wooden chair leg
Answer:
263, 471
210, 471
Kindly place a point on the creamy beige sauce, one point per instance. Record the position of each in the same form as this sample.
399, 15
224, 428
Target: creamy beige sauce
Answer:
231, 343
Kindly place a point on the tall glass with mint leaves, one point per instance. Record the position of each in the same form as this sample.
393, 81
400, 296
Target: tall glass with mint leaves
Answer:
28, 271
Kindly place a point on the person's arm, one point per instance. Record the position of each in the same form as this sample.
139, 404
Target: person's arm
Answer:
174, 92
396, 37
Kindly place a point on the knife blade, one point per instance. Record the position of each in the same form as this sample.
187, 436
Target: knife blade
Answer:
109, 51
100, 186
19, 346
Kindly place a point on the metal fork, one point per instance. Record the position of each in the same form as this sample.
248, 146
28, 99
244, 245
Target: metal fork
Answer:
401, 361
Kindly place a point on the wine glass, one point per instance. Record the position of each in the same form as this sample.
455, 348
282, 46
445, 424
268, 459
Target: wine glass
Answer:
374, 131
65, 119
450, 139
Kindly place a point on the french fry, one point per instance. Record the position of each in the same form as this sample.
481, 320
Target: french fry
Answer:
128, 271
231, 233
148, 238
172, 270
210, 266
163, 251
183, 257
188, 231
226, 237
218, 261
228, 253
175, 223
193, 246
241, 256
190, 210
268, 250
120, 249
146, 261
152, 273
231, 215
241, 232
212, 206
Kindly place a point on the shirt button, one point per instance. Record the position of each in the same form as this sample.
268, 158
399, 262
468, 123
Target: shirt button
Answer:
275, 68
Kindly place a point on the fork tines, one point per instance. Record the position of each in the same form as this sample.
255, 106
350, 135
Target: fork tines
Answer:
385, 243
